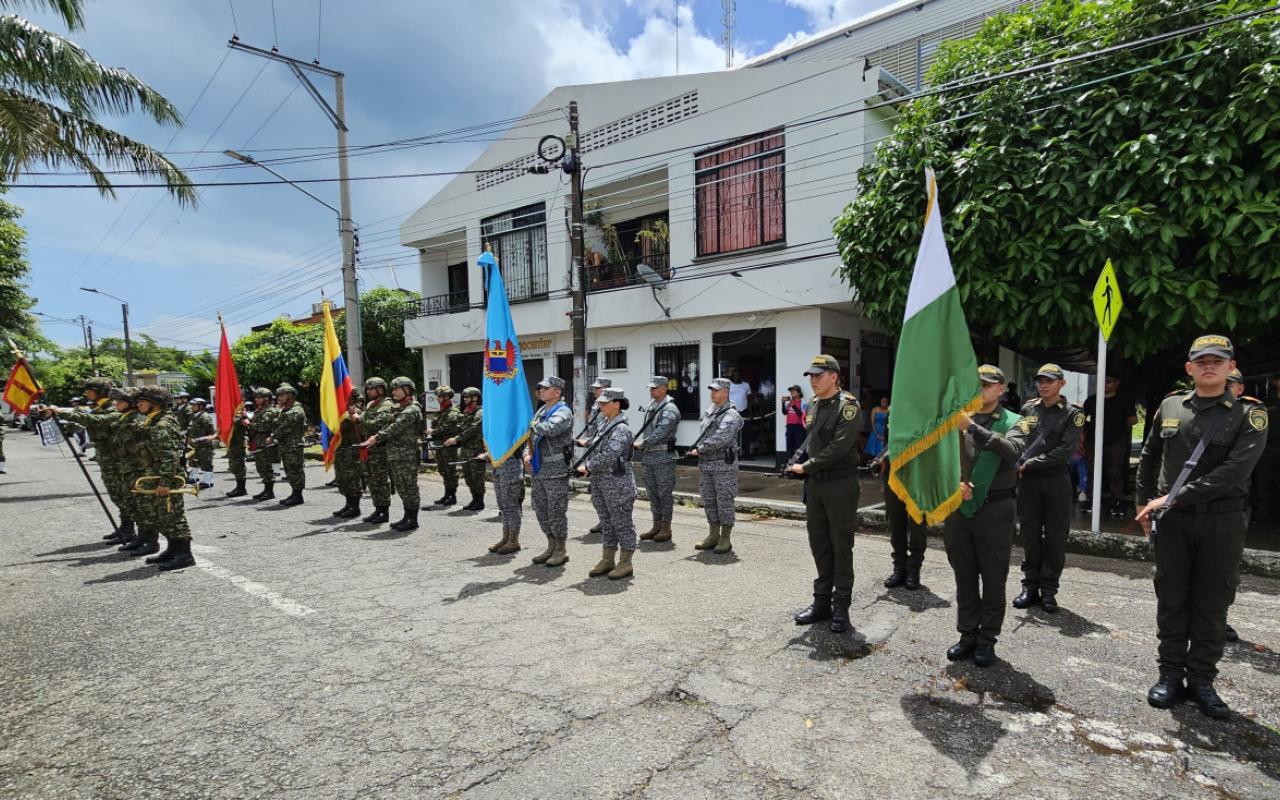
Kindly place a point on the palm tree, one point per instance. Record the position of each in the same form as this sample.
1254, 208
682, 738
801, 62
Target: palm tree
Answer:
51, 92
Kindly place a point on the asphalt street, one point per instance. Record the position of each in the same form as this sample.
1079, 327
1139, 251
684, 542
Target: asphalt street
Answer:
307, 657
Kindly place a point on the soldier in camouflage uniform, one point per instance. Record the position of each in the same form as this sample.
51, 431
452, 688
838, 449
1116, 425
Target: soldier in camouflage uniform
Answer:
159, 452
551, 434
200, 434
593, 424
99, 420
717, 452
260, 428
657, 449
120, 447
399, 439
287, 437
127, 438
348, 463
508, 491
470, 440
378, 413
181, 411
236, 447
613, 485
2, 472
448, 424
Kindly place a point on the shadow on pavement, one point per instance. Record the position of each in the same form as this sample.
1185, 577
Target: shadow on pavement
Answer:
1244, 652
1066, 621
539, 574
138, 573
477, 589
918, 601
599, 587
650, 546
389, 535
92, 547
713, 558
823, 645
40, 498
1003, 681
588, 538
1244, 740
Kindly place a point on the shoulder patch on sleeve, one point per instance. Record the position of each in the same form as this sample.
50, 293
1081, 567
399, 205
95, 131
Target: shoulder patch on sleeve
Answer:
850, 411
1258, 418
1024, 425
1079, 419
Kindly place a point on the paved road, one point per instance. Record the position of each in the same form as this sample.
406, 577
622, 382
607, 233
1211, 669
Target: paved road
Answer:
307, 659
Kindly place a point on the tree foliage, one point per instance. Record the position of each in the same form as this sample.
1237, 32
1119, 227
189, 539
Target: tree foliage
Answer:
1161, 158
382, 325
15, 303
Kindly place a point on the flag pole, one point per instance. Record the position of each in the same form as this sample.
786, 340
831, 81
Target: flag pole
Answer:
17, 354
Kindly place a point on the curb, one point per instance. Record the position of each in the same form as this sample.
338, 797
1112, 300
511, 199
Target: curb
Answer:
1081, 542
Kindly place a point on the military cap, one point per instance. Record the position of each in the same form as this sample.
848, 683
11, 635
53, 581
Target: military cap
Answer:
602, 383
262, 391
551, 382
157, 395
990, 374
718, 383
1212, 345
443, 390
199, 400
657, 380
1051, 371
471, 391
375, 383
285, 388
611, 395
1235, 375
400, 382
822, 363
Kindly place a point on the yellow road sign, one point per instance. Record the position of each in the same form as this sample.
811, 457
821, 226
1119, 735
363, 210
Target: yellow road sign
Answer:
1107, 301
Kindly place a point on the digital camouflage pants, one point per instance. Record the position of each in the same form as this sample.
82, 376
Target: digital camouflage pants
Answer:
404, 476
113, 479
447, 470
291, 458
235, 462
660, 485
614, 498
348, 471
204, 456
262, 461
473, 474
508, 490
378, 476
551, 505
719, 490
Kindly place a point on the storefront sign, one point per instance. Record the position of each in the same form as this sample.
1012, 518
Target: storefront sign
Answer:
537, 348
840, 349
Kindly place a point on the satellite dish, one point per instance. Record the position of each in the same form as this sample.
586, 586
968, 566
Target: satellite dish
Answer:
650, 276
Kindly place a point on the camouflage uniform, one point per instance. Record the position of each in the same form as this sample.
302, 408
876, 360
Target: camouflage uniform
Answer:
200, 424
290, 426
160, 453
399, 440
100, 421
236, 450
552, 432
508, 489
260, 427
1, 448
613, 485
471, 443
123, 446
718, 462
448, 424
377, 469
659, 456
347, 466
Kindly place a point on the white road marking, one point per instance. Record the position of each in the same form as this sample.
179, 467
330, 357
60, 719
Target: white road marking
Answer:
291, 607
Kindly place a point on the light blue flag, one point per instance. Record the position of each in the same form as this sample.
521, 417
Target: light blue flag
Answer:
508, 410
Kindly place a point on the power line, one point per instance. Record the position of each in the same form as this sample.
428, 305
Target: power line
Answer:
234, 24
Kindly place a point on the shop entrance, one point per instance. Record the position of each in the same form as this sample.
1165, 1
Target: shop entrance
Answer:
750, 356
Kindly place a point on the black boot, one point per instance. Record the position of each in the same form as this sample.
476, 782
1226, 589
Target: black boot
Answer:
342, 512
170, 550
182, 557
239, 491
451, 499
294, 499
1030, 597
409, 522
123, 534
268, 492
476, 504
131, 546
1167, 692
146, 544
913, 581
352, 510
896, 578
443, 501
840, 616
820, 610
379, 515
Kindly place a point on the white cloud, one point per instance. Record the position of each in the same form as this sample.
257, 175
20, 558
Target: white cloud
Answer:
829, 13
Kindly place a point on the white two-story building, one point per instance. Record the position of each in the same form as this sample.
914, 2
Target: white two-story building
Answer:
710, 201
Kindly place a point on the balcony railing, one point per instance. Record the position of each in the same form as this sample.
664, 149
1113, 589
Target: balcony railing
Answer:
450, 303
627, 272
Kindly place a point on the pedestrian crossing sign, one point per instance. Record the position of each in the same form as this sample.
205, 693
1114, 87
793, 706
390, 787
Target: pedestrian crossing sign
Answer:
1107, 301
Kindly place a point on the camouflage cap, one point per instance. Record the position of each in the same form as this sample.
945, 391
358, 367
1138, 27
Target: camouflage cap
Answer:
611, 395
718, 384
1212, 345
401, 382
602, 383
990, 374
822, 363
375, 383
471, 391
285, 388
656, 381
262, 391
551, 382
156, 395
1236, 376
1051, 371
443, 390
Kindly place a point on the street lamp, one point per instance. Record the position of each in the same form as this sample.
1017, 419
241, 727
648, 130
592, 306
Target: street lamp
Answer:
351, 294
128, 345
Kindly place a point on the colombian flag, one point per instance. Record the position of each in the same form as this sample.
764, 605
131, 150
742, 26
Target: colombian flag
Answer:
335, 390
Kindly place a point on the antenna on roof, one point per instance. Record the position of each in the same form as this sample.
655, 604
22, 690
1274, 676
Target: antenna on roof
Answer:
729, 21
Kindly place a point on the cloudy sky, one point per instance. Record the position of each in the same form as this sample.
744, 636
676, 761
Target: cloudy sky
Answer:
413, 68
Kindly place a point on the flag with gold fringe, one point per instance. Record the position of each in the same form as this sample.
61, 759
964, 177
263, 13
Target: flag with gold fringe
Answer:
936, 380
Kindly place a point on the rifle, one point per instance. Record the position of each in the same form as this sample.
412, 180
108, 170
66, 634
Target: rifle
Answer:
710, 426
591, 449
595, 412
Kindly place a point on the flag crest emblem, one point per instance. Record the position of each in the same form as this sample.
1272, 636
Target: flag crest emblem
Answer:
501, 363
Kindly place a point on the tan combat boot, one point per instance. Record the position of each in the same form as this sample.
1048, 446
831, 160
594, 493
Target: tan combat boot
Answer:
653, 532
664, 535
712, 539
725, 545
559, 557
623, 570
541, 558
506, 534
512, 545
606, 564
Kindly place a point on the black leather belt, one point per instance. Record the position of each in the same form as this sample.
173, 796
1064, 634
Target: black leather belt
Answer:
834, 474
1213, 506
1003, 494
1052, 472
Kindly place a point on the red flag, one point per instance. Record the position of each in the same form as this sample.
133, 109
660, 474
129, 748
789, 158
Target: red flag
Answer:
227, 400
22, 388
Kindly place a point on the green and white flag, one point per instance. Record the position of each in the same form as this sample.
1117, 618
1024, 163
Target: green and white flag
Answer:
935, 381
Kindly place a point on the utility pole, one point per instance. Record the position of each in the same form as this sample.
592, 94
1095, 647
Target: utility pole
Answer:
128, 346
346, 229
577, 272
93, 357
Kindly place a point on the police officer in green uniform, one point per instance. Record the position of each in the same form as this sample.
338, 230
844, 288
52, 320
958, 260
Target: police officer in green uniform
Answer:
1044, 491
979, 536
831, 493
1197, 520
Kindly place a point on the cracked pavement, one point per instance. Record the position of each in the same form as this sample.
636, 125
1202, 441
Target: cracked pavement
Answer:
310, 657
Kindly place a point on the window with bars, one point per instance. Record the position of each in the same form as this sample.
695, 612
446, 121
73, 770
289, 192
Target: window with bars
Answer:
679, 362
741, 197
519, 242
564, 365
615, 358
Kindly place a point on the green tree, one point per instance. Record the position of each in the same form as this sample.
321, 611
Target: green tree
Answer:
15, 303
147, 354
1161, 158
51, 93
382, 315
283, 353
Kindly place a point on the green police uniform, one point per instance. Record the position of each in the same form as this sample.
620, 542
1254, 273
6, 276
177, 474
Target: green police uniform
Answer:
908, 539
831, 496
236, 451
1200, 540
